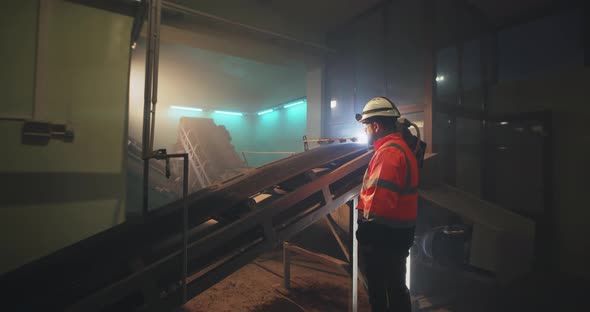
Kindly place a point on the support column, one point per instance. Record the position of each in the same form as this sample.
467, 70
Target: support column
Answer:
489, 69
315, 103
429, 75
286, 265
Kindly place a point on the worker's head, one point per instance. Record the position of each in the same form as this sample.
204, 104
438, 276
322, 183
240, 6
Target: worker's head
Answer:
379, 117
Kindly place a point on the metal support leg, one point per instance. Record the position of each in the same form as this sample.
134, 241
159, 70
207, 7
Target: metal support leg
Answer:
184, 227
353, 255
287, 264
332, 226
146, 187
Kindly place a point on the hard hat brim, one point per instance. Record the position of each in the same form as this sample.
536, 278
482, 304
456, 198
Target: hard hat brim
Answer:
389, 113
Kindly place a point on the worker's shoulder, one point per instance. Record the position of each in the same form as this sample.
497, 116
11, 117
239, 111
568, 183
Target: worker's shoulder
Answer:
395, 147
389, 153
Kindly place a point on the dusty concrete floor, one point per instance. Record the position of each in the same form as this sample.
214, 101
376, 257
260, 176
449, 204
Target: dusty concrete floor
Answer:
259, 287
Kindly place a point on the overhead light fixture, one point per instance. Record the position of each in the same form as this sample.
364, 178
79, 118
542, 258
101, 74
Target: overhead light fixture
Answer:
503, 123
333, 104
193, 109
293, 104
440, 78
265, 112
229, 113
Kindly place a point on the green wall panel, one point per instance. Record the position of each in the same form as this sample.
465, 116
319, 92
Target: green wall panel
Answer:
18, 33
64, 192
86, 69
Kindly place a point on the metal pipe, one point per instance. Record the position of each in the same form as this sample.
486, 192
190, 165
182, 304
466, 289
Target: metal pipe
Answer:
245, 160
41, 59
148, 84
151, 57
155, 64
253, 29
354, 254
146, 114
146, 172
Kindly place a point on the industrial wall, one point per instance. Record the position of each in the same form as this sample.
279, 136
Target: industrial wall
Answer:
75, 72
479, 73
381, 53
563, 91
530, 67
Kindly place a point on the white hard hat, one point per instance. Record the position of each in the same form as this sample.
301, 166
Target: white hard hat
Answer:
379, 106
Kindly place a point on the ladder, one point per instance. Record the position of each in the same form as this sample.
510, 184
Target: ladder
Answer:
197, 160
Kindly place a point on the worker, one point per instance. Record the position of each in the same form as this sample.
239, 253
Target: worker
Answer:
387, 208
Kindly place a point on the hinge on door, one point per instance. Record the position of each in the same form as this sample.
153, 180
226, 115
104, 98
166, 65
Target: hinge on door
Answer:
37, 132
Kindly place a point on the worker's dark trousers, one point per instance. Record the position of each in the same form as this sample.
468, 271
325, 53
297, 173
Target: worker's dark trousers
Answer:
384, 269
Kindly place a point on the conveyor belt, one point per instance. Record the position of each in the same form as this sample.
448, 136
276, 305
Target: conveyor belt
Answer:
137, 266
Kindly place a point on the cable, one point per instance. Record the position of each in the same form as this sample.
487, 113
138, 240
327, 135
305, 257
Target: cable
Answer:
417, 149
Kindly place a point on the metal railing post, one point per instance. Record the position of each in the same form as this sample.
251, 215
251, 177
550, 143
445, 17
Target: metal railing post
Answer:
287, 265
353, 255
184, 227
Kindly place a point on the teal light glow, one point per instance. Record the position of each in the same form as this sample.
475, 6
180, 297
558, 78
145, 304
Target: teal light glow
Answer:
229, 113
192, 109
280, 131
265, 112
294, 103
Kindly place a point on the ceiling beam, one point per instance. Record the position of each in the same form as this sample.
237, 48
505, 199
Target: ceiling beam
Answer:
245, 27
533, 14
527, 16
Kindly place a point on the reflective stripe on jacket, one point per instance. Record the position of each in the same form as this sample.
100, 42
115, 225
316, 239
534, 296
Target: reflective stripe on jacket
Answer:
389, 193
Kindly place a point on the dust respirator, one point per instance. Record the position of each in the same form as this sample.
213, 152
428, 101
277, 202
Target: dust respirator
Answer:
414, 142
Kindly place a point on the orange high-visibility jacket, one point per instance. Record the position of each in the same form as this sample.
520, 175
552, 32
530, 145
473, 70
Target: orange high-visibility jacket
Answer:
389, 193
